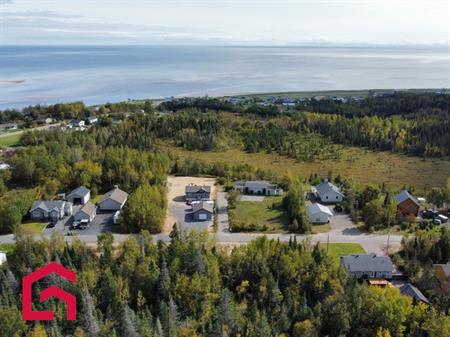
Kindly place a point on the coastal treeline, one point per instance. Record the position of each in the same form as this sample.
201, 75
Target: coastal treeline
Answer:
191, 287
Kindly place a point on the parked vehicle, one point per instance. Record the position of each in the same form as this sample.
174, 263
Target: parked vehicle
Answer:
84, 224
437, 221
442, 218
116, 217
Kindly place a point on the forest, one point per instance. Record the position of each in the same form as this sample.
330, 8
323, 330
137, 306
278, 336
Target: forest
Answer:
192, 287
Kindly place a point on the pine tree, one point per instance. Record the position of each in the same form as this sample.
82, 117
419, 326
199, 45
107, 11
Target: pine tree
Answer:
89, 318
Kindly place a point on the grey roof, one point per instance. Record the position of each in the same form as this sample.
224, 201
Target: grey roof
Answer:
404, 195
88, 209
79, 191
115, 194
367, 262
255, 184
48, 205
318, 208
196, 189
206, 206
325, 186
409, 290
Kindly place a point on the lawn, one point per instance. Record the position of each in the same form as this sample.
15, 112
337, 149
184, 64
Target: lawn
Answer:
360, 165
335, 250
32, 228
7, 247
95, 200
262, 215
9, 141
315, 229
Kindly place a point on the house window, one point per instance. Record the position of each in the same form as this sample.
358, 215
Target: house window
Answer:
336, 197
326, 197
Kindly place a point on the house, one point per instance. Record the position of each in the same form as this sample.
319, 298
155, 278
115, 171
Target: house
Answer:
77, 123
113, 200
328, 193
202, 211
79, 196
50, 210
92, 120
409, 290
318, 213
87, 212
407, 205
443, 274
2, 257
260, 187
194, 192
4, 166
8, 127
367, 266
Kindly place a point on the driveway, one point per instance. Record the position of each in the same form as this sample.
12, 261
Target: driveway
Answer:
177, 210
223, 225
102, 222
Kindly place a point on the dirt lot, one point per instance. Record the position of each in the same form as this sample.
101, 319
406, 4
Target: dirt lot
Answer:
176, 202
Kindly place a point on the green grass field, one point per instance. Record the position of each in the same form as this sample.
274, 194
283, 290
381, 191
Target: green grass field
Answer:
360, 165
9, 141
95, 200
7, 247
262, 214
315, 229
32, 228
335, 250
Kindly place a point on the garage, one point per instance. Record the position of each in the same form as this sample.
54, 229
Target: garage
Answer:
203, 211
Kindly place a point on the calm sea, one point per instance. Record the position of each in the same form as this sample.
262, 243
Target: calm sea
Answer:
32, 75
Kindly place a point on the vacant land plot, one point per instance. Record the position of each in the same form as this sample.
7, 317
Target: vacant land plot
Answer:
360, 165
177, 208
335, 250
263, 215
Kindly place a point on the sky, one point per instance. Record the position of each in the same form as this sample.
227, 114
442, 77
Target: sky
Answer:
224, 22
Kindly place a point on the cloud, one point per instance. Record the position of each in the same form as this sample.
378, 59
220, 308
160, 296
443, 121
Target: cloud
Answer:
6, 2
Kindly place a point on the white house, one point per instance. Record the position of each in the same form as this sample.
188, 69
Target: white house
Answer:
113, 200
77, 123
328, 193
92, 119
79, 196
259, 187
2, 257
87, 212
318, 213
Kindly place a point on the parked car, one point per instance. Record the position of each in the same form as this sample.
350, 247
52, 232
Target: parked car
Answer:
75, 225
442, 218
84, 224
437, 221
338, 209
430, 214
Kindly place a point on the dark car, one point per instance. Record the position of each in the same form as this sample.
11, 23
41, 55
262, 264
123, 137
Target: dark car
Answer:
51, 224
338, 209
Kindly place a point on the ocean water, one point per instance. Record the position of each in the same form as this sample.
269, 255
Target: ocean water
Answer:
43, 75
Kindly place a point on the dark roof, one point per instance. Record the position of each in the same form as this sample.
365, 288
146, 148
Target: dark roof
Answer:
205, 206
79, 191
409, 290
48, 205
196, 189
115, 194
367, 262
325, 186
88, 208
405, 195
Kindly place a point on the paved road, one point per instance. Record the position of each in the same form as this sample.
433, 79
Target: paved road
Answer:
342, 232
